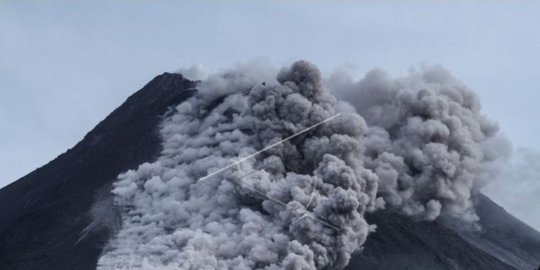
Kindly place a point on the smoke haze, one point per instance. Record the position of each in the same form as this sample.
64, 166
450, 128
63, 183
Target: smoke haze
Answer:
418, 145
517, 188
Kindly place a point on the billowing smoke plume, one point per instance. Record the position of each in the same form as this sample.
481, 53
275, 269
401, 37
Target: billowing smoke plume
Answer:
300, 204
428, 142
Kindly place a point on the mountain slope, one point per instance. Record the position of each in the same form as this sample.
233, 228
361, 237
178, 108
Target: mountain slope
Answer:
504, 236
504, 243
43, 214
46, 217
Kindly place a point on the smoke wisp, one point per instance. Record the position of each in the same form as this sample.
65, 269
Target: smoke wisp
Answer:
521, 196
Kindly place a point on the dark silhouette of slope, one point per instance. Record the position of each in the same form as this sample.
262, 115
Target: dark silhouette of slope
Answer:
399, 243
46, 217
43, 214
505, 236
402, 244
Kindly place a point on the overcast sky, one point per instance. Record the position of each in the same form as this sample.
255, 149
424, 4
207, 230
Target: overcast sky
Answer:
65, 65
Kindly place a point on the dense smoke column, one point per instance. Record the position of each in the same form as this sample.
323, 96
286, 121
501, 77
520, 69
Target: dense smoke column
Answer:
299, 205
427, 141
418, 145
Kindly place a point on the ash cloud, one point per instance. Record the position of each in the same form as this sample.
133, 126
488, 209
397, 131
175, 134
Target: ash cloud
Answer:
418, 145
232, 222
428, 141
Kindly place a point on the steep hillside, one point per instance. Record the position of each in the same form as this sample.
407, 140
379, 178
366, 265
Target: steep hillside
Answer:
44, 213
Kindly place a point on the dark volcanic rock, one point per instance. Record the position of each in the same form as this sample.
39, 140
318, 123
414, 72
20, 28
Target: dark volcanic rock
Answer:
43, 215
401, 244
504, 236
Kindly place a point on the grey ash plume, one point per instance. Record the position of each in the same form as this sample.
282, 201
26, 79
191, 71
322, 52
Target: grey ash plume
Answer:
428, 141
415, 144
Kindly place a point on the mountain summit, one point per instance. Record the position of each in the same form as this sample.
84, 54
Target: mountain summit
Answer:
62, 215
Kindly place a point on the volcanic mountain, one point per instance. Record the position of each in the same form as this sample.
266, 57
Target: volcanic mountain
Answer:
62, 215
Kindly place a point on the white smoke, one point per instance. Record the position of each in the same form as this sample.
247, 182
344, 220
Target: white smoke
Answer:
301, 204
197, 72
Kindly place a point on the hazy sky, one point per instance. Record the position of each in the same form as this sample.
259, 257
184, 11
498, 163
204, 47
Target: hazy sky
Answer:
65, 65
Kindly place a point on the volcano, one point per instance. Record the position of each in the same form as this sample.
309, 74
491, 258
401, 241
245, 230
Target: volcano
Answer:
62, 216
